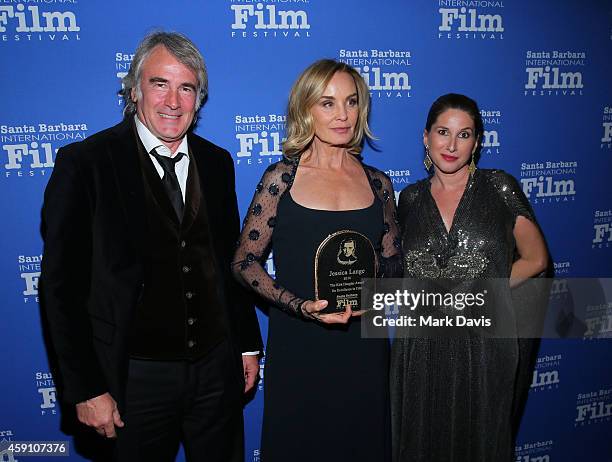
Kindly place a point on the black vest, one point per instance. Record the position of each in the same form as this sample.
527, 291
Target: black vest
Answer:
179, 315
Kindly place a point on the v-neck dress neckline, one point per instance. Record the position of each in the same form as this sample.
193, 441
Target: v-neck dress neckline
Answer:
464, 202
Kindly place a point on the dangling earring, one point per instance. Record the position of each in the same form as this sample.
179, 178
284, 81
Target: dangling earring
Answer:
427, 162
472, 166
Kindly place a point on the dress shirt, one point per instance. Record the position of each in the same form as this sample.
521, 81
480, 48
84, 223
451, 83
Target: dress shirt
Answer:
151, 142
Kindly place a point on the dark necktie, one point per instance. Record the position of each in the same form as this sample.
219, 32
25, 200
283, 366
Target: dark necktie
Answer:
170, 181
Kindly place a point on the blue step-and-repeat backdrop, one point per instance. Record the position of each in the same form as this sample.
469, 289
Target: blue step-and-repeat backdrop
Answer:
540, 70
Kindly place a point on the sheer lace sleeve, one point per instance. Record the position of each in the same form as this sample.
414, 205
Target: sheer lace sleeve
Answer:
255, 239
512, 195
390, 258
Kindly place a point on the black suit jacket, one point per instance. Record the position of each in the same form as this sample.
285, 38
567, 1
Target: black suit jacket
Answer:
94, 227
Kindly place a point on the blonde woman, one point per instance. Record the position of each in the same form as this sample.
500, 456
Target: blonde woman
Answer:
326, 393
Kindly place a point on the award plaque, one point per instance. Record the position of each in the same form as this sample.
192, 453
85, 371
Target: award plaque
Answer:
342, 261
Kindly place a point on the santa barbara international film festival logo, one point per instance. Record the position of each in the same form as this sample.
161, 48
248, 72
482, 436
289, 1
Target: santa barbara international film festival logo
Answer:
594, 407
45, 387
598, 321
6, 436
492, 121
262, 369
554, 73
259, 138
606, 139
535, 451
123, 61
29, 272
385, 71
470, 19
270, 19
546, 373
559, 290
602, 229
549, 182
29, 149
400, 179
48, 20
562, 268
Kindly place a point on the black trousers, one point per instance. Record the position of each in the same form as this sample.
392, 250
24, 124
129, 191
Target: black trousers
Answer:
198, 404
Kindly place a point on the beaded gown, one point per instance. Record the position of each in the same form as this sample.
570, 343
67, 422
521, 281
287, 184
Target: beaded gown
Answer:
459, 399
326, 395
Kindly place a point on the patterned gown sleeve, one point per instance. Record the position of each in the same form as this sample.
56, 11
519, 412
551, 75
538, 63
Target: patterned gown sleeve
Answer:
256, 236
390, 257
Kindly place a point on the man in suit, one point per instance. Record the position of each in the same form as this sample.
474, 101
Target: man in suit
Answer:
140, 223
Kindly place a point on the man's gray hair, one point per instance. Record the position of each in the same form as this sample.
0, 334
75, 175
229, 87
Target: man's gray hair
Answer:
183, 50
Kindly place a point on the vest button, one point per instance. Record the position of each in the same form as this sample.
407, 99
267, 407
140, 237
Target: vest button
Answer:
183, 244
188, 295
191, 343
191, 321
186, 269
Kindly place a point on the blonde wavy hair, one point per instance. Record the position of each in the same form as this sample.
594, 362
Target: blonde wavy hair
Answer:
307, 91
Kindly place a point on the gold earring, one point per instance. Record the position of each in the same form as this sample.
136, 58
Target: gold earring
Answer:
427, 162
472, 166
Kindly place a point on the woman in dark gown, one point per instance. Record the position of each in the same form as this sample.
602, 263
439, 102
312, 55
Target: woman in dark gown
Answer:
326, 389
457, 399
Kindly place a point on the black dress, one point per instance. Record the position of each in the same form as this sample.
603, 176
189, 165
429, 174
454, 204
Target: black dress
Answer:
458, 399
326, 389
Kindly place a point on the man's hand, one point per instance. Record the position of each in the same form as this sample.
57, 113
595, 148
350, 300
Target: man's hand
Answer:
100, 413
250, 367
